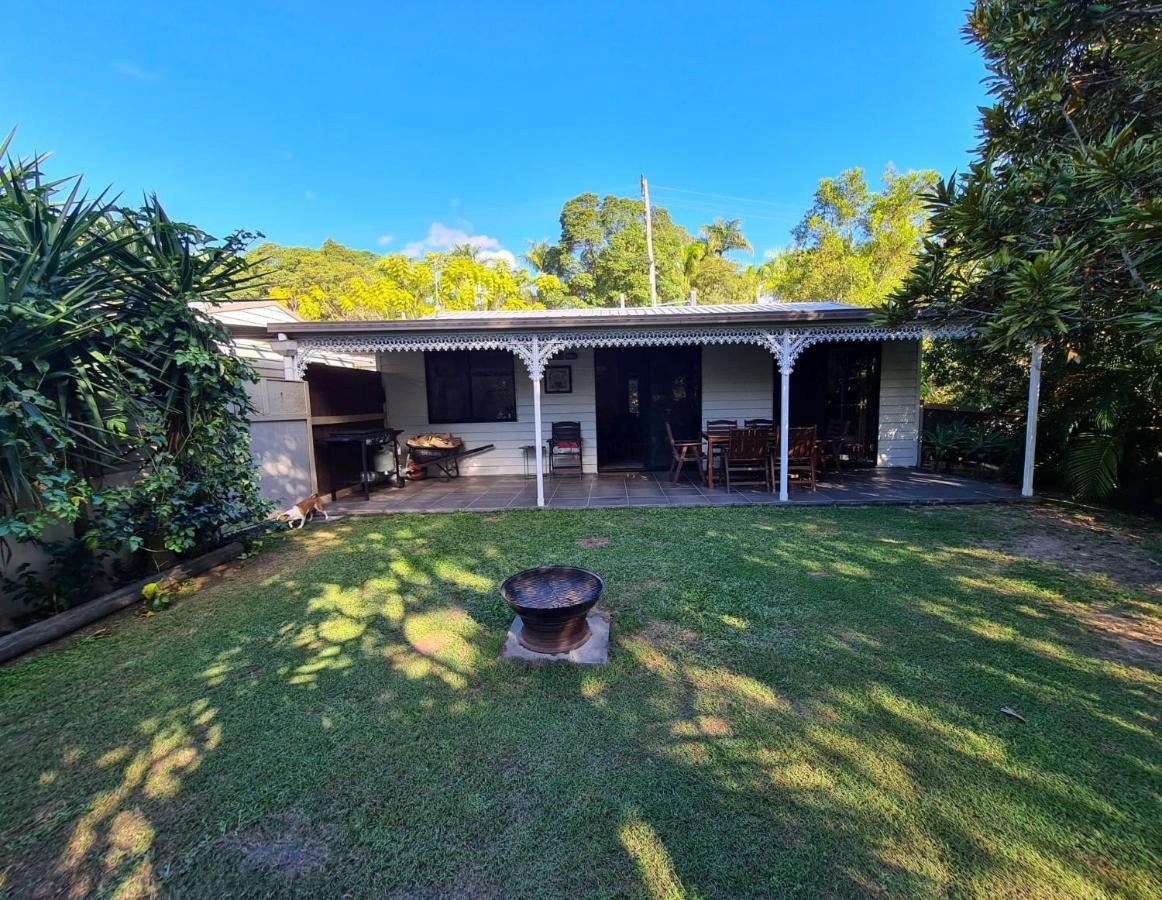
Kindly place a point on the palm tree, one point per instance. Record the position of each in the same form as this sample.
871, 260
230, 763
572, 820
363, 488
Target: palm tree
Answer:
466, 251
545, 258
692, 255
538, 256
724, 235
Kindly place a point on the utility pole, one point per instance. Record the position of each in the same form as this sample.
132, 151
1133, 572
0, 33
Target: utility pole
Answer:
650, 243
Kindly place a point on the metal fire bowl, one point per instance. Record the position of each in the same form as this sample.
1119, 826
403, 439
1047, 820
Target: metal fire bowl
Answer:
553, 602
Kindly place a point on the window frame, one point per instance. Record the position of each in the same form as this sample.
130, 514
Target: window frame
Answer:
466, 356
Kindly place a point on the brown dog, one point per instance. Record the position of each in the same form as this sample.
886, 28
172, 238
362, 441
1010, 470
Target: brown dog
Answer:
302, 511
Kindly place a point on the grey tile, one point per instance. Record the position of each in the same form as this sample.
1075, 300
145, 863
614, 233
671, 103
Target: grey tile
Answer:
489, 501
851, 488
698, 500
723, 499
445, 503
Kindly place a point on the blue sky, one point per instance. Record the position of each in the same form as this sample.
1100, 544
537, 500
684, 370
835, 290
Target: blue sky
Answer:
390, 126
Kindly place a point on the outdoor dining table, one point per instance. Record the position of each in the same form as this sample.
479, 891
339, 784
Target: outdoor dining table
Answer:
722, 439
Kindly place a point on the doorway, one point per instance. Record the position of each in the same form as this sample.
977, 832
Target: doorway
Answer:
638, 391
837, 386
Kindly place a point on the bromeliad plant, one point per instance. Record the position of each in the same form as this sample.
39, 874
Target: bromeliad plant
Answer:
119, 415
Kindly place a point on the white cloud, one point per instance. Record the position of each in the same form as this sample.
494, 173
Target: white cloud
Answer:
506, 255
442, 237
384, 239
130, 69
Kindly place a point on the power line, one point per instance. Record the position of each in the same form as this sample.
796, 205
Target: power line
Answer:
718, 210
775, 203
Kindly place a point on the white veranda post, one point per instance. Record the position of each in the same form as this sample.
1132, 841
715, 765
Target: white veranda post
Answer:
784, 425
535, 375
1031, 417
786, 348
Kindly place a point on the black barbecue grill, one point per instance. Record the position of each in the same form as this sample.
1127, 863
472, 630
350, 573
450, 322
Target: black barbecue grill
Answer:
365, 439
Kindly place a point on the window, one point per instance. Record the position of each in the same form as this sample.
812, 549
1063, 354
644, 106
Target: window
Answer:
470, 386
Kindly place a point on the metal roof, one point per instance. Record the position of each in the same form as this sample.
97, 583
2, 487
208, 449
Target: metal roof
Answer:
820, 313
615, 312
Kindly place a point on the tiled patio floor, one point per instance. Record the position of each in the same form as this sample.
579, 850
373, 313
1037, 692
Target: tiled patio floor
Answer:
860, 487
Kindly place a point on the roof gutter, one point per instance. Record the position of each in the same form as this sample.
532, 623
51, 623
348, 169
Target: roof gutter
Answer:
569, 323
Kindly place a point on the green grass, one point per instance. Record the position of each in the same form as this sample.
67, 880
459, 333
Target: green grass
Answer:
798, 702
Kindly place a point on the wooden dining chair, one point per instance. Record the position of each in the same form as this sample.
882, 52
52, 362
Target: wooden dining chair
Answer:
773, 456
745, 457
759, 423
834, 442
682, 452
718, 428
802, 453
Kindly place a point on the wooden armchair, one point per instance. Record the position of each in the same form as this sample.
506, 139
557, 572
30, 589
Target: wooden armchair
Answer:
682, 452
745, 457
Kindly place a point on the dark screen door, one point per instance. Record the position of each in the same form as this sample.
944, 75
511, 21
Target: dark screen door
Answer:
837, 386
638, 391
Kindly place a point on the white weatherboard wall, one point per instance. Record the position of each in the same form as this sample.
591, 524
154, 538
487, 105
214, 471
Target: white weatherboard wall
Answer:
405, 386
738, 382
899, 404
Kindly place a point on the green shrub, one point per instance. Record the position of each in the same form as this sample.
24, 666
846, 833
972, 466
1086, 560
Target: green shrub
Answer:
120, 415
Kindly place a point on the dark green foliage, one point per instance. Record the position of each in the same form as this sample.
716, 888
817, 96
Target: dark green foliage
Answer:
980, 446
120, 417
1052, 235
1092, 464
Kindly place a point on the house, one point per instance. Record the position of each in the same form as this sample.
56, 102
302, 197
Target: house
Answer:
501, 378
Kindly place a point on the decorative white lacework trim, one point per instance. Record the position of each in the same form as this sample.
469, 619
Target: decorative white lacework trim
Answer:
785, 344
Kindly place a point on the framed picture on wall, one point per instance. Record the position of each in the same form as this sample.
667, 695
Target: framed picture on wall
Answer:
558, 379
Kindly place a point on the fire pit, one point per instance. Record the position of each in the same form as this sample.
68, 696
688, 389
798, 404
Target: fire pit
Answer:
552, 602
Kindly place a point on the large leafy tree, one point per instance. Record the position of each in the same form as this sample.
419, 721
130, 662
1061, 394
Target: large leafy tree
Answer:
120, 415
1052, 235
601, 255
336, 282
717, 279
296, 272
854, 244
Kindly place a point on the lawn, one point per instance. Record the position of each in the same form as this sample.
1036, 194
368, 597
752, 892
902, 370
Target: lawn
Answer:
797, 702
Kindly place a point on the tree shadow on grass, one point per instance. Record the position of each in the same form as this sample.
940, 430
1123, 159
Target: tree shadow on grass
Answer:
794, 705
